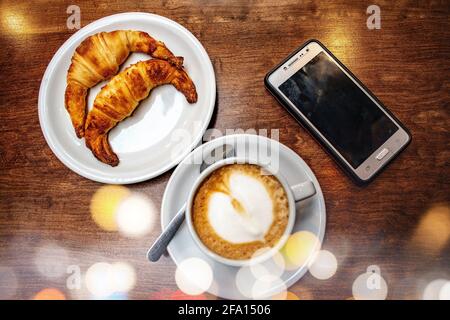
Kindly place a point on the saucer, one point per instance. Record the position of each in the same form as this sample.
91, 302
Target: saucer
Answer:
311, 213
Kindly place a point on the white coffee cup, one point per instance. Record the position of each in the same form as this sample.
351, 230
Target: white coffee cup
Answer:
294, 193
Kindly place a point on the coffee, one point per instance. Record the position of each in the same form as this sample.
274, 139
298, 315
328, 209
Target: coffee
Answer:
239, 209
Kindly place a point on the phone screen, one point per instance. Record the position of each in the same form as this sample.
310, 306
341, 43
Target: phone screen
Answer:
339, 109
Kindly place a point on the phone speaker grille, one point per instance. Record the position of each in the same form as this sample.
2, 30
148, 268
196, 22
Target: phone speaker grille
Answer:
292, 62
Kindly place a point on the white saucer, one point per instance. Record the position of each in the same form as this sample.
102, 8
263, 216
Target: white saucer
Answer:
311, 214
164, 128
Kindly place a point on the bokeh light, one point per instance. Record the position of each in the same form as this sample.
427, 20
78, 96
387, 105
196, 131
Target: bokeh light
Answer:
275, 265
324, 265
180, 295
104, 205
124, 277
285, 296
299, 248
444, 293
135, 215
98, 278
116, 296
370, 285
301, 294
433, 231
264, 287
433, 289
8, 283
245, 280
106, 281
51, 260
49, 294
258, 282
194, 276
168, 294
14, 21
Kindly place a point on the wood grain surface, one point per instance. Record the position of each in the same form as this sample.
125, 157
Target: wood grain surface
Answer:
400, 222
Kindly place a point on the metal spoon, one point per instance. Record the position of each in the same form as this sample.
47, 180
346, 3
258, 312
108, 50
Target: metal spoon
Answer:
159, 246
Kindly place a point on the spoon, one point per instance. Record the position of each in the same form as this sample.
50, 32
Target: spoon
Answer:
160, 245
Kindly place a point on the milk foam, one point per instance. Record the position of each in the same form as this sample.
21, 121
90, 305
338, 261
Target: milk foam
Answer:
251, 219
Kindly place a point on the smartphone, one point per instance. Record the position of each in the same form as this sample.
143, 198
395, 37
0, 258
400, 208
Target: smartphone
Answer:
361, 134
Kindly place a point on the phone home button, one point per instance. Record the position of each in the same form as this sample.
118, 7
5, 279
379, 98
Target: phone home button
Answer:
382, 154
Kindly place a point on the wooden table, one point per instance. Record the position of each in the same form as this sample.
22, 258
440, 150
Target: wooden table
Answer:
400, 222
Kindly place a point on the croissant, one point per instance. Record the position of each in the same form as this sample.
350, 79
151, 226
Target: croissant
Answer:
120, 97
98, 58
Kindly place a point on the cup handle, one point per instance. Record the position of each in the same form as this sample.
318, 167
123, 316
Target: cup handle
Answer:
303, 190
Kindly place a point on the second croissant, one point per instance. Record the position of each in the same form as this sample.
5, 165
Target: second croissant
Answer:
120, 97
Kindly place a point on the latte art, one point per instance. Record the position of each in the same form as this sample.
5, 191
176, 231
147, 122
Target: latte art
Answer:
242, 211
237, 211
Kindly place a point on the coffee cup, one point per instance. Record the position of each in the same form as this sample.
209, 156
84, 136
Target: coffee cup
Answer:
248, 224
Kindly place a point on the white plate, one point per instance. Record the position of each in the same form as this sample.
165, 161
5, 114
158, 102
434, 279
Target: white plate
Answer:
311, 213
164, 128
